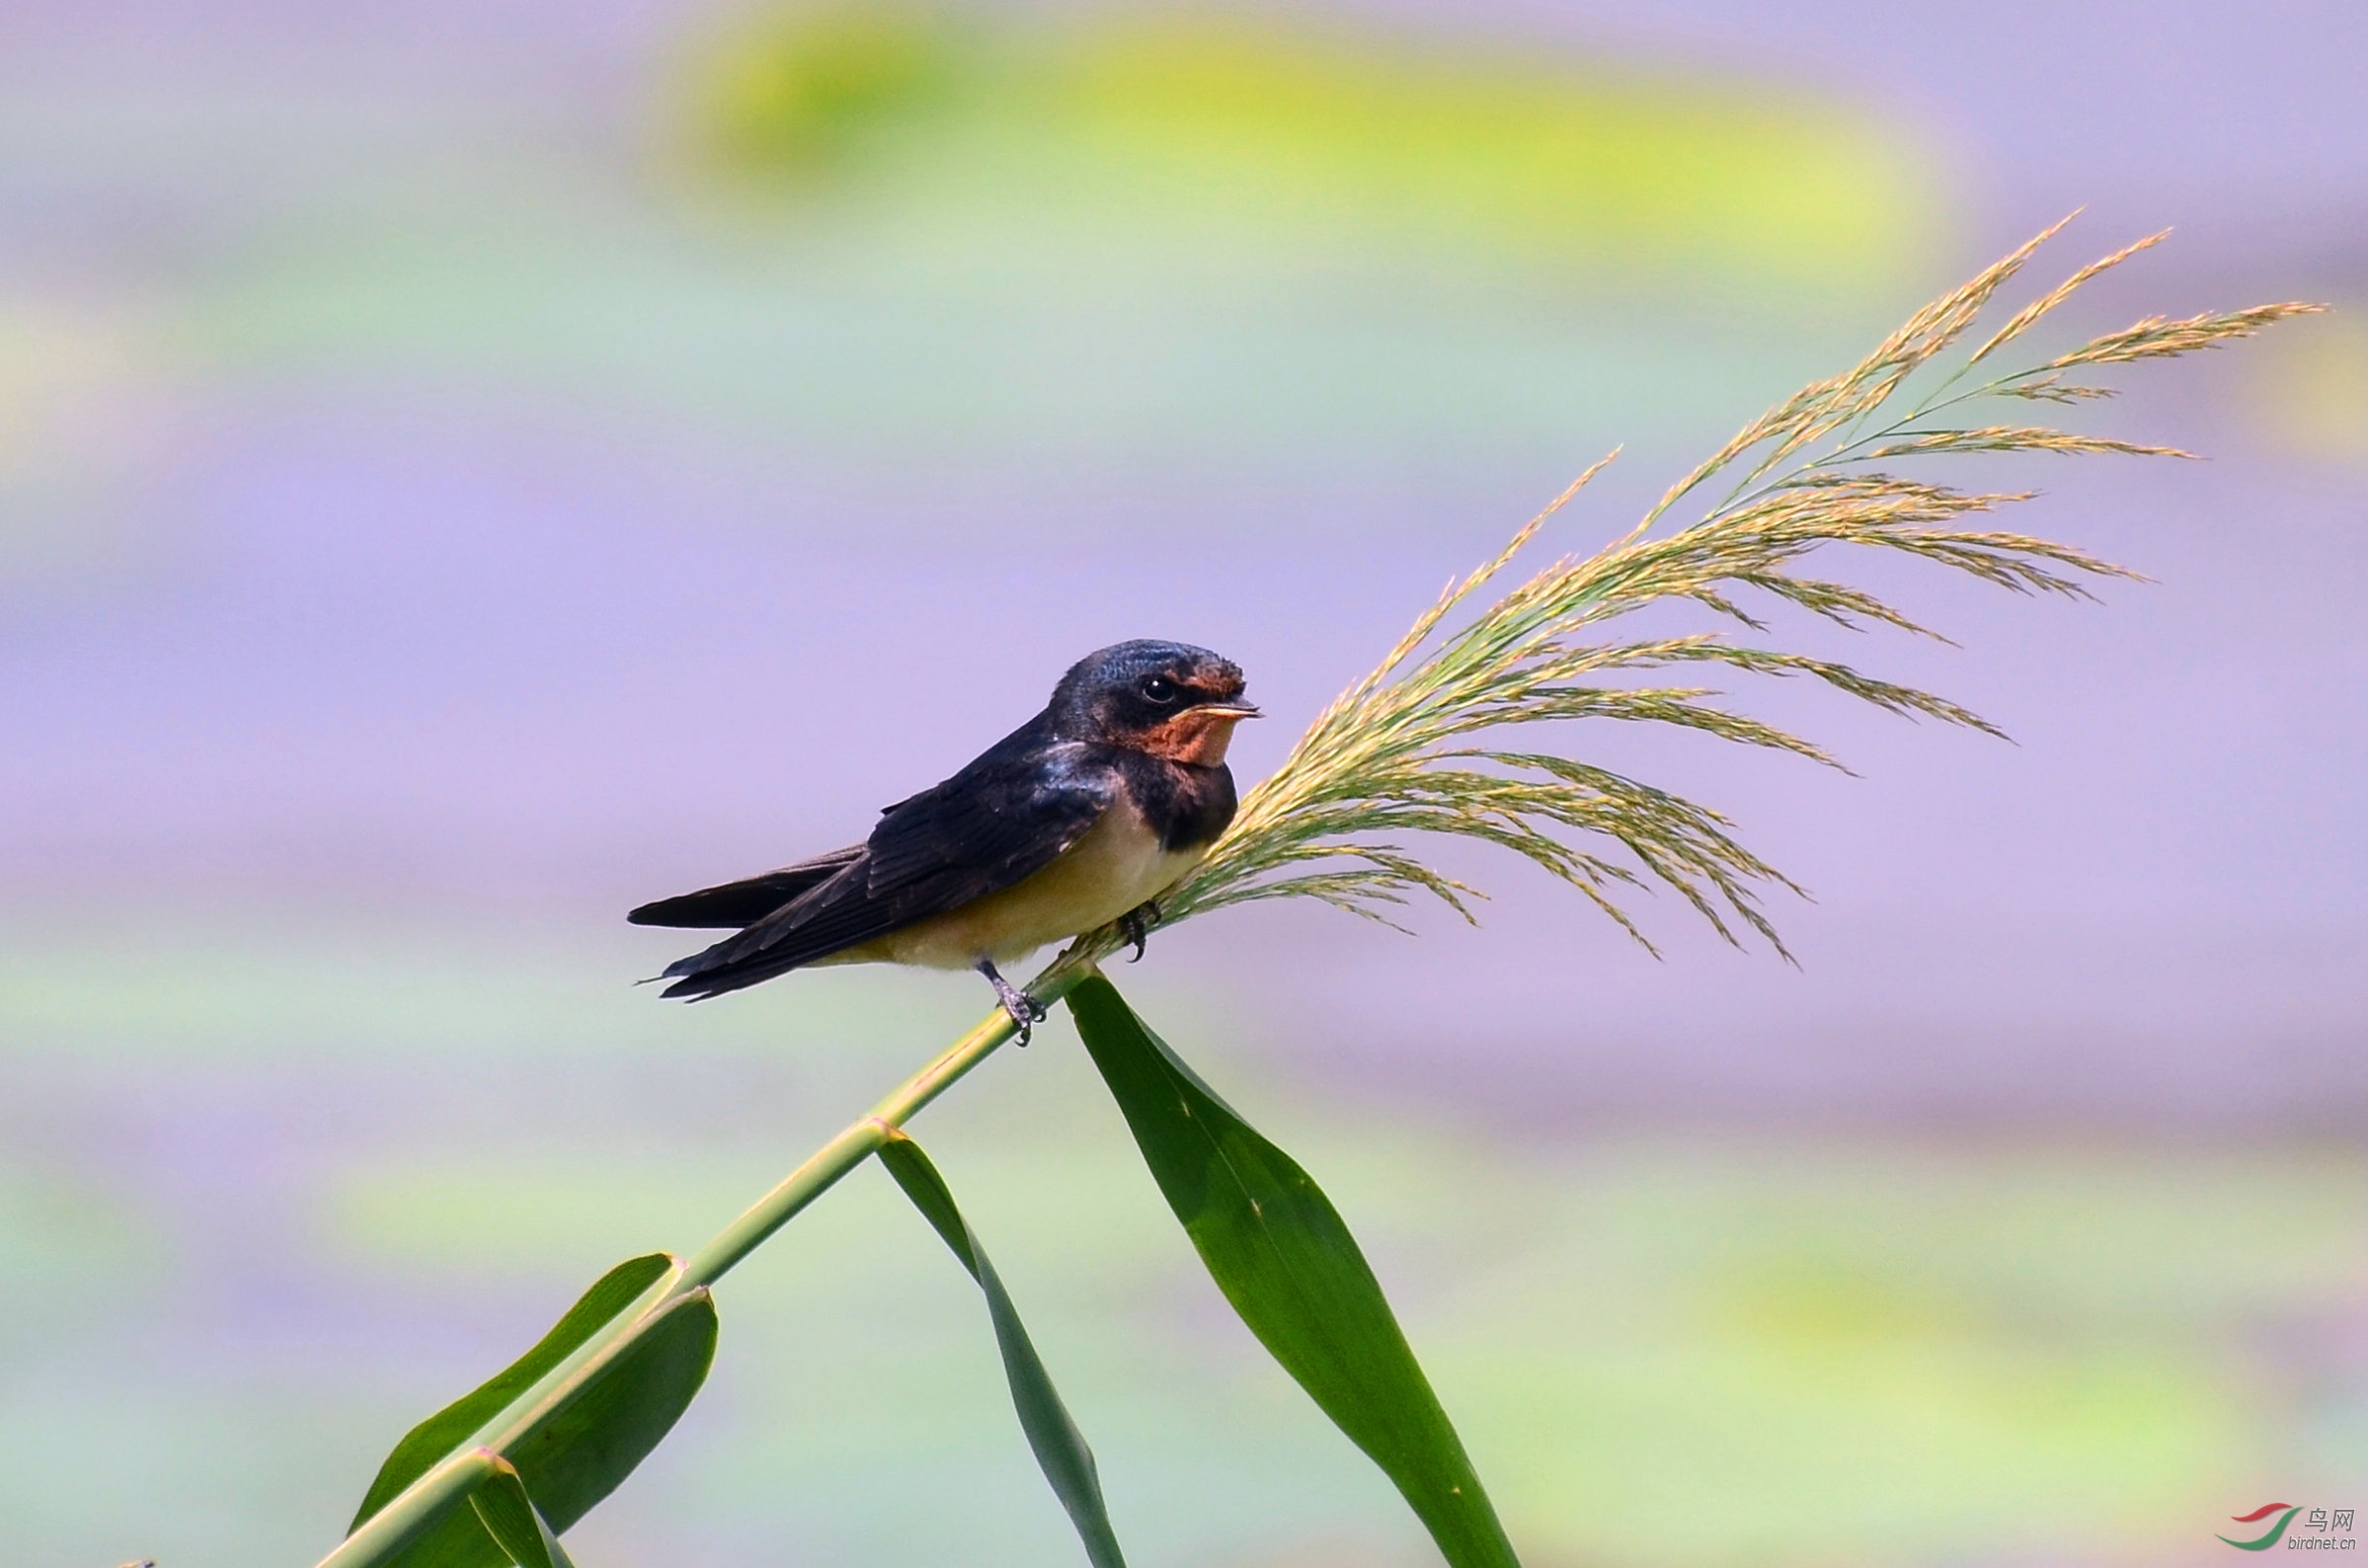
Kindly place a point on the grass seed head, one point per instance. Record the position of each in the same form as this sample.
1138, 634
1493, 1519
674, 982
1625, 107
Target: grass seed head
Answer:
1403, 750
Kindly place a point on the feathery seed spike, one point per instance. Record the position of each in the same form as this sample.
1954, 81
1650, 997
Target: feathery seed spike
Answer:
1394, 754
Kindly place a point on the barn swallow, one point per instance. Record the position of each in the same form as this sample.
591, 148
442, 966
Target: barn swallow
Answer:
1083, 816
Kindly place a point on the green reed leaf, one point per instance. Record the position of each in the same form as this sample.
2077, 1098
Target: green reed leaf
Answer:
588, 1434
1060, 1451
458, 1421
510, 1516
1279, 1250
605, 1425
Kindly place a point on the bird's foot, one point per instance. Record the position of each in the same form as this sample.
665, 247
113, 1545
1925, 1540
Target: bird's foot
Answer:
1136, 923
1025, 1010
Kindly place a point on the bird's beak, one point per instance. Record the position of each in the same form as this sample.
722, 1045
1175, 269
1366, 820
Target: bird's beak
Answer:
1231, 710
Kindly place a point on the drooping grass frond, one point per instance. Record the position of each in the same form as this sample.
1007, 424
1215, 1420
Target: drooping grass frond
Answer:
1401, 752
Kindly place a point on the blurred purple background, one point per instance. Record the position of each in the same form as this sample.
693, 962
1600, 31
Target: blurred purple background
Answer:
459, 479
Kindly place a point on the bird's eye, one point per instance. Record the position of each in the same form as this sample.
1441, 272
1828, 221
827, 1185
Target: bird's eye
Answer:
1158, 688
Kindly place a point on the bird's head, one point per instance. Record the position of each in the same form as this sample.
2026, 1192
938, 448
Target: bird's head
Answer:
1170, 699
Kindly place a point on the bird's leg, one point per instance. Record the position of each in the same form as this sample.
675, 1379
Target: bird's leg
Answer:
1025, 1010
1136, 923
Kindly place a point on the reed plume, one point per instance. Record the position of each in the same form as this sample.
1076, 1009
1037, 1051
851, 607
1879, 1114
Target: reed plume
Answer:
1411, 749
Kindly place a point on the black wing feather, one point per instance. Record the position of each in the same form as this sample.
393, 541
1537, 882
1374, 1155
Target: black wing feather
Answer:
998, 821
744, 902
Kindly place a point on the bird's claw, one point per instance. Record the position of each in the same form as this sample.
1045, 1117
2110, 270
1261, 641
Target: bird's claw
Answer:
1137, 924
1025, 1011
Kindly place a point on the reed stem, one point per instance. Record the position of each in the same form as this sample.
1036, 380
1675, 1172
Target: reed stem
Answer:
862, 1137
396, 1525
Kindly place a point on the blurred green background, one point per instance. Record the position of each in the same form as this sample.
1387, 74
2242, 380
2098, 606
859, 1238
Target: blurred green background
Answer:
468, 469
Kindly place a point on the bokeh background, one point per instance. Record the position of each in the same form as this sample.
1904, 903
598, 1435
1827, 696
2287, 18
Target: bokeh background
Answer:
468, 468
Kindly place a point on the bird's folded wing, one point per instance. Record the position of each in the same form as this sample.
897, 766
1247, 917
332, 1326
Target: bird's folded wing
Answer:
985, 830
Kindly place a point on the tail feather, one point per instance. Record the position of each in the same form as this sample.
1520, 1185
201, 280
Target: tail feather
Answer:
825, 912
698, 986
736, 904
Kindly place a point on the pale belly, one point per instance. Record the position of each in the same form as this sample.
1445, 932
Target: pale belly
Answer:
1115, 867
